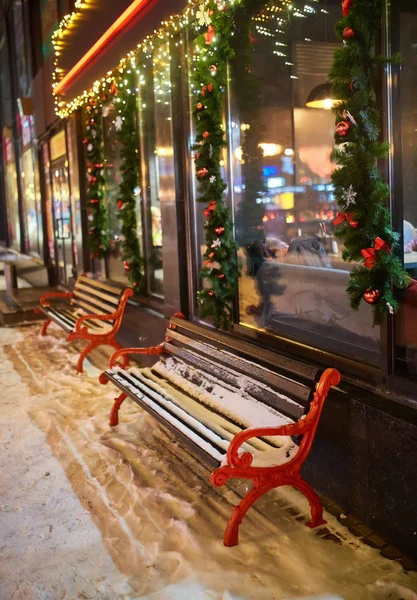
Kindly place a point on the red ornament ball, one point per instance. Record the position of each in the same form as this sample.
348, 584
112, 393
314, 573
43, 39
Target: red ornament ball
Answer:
206, 134
342, 128
221, 276
371, 296
120, 204
94, 201
126, 266
348, 33
211, 293
200, 106
219, 230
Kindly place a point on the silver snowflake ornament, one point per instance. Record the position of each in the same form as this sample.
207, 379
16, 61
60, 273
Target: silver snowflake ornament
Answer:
216, 243
90, 217
212, 179
390, 308
349, 196
118, 122
90, 147
203, 17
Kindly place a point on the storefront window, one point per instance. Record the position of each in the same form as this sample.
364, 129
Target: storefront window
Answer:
113, 180
75, 192
30, 187
293, 279
158, 158
48, 202
13, 226
406, 320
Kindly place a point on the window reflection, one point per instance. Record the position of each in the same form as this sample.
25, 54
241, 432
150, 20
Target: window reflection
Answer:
293, 278
406, 330
113, 179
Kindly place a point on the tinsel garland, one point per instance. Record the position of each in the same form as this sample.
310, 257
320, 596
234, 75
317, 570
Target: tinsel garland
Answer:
209, 77
364, 220
98, 217
127, 135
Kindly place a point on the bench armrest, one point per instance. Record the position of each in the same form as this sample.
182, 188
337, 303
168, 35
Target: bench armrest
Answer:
153, 350
309, 423
107, 317
44, 299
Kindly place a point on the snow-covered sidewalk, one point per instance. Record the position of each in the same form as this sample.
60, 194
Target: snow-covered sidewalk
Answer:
87, 512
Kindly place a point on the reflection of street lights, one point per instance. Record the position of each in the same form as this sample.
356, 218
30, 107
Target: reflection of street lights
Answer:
322, 96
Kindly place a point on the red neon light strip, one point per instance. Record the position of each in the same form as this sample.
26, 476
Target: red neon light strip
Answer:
114, 29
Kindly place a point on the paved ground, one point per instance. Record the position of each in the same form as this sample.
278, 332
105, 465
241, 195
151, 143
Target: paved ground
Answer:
87, 512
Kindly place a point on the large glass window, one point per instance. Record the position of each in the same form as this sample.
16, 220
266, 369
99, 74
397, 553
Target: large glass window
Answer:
293, 279
157, 152
405, 18
75, 192
13, 226
113, 180
30, 187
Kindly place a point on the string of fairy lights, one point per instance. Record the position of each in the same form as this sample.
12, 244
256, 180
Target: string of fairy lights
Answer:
270, 22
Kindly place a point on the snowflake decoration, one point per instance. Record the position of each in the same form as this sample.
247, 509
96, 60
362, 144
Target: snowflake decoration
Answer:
203, 17
216, 243
118, 123
390, 308
90, 147
212, 179
91, 217
349, 196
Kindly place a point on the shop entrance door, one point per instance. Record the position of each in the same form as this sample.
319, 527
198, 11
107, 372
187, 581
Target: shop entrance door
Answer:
62, 220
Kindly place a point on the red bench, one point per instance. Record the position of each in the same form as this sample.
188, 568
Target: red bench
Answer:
92, 312
249, 413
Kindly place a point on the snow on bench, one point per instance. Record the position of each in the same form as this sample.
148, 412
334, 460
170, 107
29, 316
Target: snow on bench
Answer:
241, 410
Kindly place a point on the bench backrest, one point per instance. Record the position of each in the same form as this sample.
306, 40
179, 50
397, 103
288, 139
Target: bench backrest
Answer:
267, 376
96, 297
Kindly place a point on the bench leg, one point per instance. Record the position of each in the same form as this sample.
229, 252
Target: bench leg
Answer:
231, 535
313, 499
45, 326
82, 357
114, 413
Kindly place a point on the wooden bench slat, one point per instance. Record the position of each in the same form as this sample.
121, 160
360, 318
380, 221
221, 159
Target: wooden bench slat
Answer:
90, 309
96, 292
250, 351
60, 319
279, 382
100, 284
107, 308
239, 381
167, 419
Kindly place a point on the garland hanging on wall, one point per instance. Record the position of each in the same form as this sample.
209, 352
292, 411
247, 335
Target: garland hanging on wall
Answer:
98, 217
127, 134
364, 221
209, 77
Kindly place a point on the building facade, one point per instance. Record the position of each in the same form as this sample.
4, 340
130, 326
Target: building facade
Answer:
277, 168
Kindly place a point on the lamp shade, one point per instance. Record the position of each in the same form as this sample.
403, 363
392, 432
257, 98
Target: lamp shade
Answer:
322, 97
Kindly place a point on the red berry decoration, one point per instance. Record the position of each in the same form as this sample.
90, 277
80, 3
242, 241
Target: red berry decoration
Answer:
120, 204
348, 33
206, 134
85, 141
211, 293
342, 128
126, 266
221, 276
371, 296
346, 6
219, 230
200, 106
94, 201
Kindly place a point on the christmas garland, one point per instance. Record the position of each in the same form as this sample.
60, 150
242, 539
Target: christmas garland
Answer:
364, 221
209, 78
98, 217
126, 127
